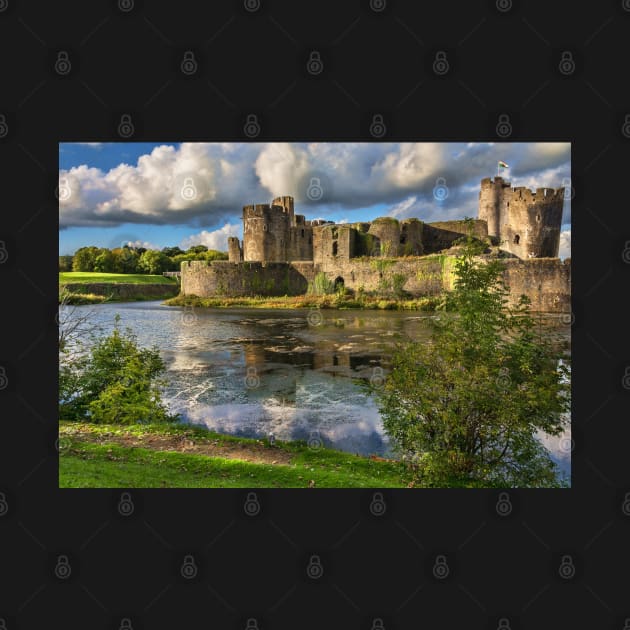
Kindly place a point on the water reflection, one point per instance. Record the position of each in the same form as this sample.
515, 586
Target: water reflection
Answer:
253, 373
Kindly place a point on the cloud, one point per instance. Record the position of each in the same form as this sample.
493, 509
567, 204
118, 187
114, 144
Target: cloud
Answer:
565, 244
145, 244
94, 145
206, 184
216, 239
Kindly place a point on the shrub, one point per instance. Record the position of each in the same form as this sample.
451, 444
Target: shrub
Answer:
114, 382
467, 406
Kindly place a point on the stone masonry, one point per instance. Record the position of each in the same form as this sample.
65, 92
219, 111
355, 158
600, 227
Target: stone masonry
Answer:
282, 252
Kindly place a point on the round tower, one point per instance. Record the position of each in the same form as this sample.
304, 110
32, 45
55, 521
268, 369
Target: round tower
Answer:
255, 230
490, 203
387, 230
531, 225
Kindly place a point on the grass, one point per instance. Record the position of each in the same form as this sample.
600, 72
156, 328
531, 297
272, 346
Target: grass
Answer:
87, 277
427, 303
154, 456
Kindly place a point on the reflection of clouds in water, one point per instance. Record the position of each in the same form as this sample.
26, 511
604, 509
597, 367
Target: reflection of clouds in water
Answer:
559, 447
206, 365
348, 427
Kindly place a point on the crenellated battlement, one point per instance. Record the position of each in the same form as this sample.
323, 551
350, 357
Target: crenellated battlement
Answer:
525, 222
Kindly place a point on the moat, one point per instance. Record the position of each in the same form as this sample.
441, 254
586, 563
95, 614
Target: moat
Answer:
293, 373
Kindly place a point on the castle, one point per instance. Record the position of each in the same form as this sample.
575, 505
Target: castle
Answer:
282, 252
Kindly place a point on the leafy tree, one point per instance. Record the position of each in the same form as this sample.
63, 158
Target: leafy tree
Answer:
84, 258
197, 249
125, 260
65, 263
171, 251
104, 262
114, 382
153, 261
213, 254
466, 407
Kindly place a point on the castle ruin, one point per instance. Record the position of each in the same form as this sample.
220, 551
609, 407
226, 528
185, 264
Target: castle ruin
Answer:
282, 252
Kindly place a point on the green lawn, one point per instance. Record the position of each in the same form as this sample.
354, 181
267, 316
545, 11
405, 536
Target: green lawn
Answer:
87, 277
102, 456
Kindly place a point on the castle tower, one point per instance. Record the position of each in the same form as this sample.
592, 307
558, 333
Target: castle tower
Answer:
531, 225
491, 203
255, 230
527, 224
266, 231
235, 253
287, 205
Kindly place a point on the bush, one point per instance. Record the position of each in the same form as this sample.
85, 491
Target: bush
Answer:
321, 285
467, 406
114, 382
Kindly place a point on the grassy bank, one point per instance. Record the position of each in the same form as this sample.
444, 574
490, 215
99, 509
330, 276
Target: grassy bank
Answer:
428, 303
180, 456
86, 277
94, 288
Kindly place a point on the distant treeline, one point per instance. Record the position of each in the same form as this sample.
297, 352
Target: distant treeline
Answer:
135, 259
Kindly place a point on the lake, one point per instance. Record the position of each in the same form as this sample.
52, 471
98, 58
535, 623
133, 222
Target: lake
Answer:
293, 373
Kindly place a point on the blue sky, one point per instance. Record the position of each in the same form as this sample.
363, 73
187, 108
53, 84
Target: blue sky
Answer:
165, 194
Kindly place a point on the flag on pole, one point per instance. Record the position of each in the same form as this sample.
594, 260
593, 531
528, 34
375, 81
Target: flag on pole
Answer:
503, 164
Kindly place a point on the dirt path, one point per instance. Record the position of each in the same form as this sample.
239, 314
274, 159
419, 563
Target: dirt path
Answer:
256, 453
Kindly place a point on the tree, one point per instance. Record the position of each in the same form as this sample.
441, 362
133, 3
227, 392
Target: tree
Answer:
114, 382
197, 249
125, 260
104, 262
214, 254
153, 261
84, 257
466, 406
65, 263
171, 251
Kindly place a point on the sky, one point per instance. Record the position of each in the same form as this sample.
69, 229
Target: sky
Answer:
156, 195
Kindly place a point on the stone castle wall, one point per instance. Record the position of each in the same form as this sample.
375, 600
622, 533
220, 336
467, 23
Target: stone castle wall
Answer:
442, 234
546, 281
283, 252
222, 278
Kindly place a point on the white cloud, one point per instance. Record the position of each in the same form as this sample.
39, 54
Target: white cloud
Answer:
95, 145
208, 183
216, 239
137, 244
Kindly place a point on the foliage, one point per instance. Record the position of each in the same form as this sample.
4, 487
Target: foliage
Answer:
398, 281
65, 263
114, 381
84, 258
154, 262
468, 404
132, 260
321, 285
360, 300
105, 262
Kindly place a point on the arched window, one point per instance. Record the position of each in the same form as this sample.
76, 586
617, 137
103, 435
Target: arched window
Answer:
517, 239
334, 248
302, 232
